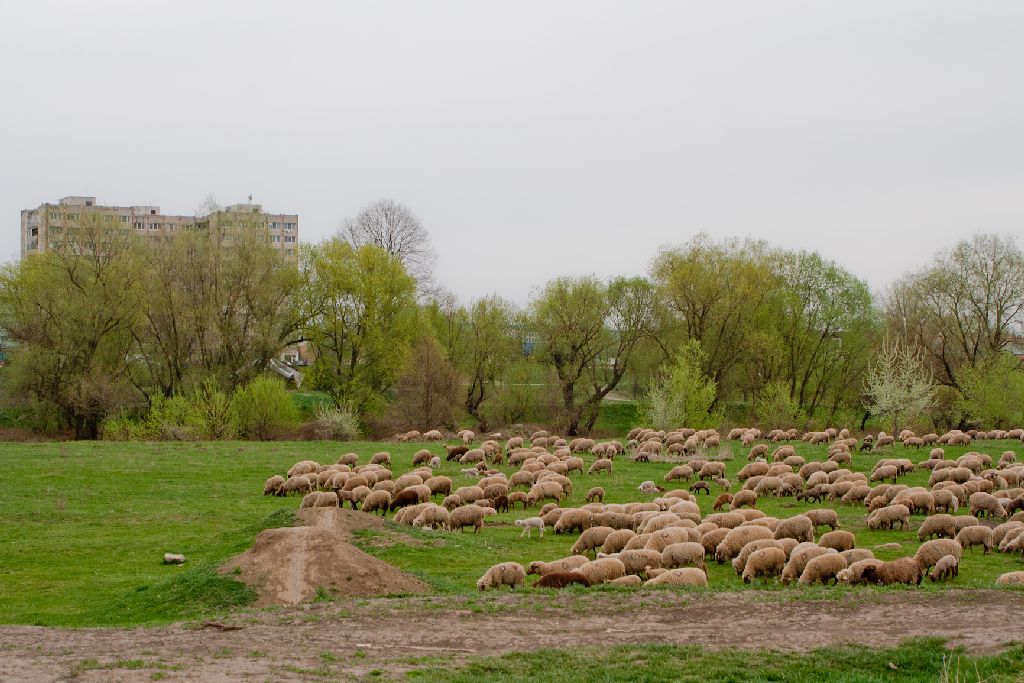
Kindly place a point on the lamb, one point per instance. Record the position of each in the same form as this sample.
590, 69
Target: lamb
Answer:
931, 552
376, 500
838, 540
566, 564
505, 574
574, 519
604, 464
274, 485
603, 570
595, 494
887, 516
799, 527
591, 539
649, 487
721, 501
947, 567
736, 538
823, 517
467, 515
764, 563
976, 535
562, 580
685, 576
823, 568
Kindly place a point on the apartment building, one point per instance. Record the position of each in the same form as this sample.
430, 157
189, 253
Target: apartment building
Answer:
42, 226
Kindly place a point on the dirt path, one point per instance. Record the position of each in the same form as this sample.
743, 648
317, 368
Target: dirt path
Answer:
289, 644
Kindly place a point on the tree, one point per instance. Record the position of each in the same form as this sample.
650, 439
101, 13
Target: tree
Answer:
993, 391
394, 228
72, 309
898, 385
588, 334
682, 395
962, 308
360, 308
427, 394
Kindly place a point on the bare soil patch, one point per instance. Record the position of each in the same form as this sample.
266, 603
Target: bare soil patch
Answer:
288, 644
289, 565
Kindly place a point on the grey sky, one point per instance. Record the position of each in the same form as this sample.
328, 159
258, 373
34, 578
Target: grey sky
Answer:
533, 139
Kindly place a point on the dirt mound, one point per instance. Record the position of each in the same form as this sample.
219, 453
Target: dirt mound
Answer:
288, 565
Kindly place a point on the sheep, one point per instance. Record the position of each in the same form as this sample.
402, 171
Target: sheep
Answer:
274, 486
735, 539
649, 487
685, 576
721, 501
799, 527
838, 540
740, 561
931, 551
505, 574
591, 539
744, 497
823, 568
376, 500
905, 570
856, 555
604, 464
420, 457
947, 567
595, 494
764, 563
297, 484
683, 554
886, 517
854, 572
319, 499
1010, 579
566, 564
712, 470
659, 540
823, 517
637, 560
798, 560
530, 523
303, 467
562, 580
432, 516
629, 580
616, 540
940, 526
467, 515
982, 502
616, 520
885, 472
976, 535
603, 570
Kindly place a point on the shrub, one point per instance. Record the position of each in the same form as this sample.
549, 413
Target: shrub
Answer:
776, 409
337, 423
993, 392
681, 394
264, 409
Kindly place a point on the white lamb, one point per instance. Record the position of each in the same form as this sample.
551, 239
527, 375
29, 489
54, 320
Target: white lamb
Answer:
529, 524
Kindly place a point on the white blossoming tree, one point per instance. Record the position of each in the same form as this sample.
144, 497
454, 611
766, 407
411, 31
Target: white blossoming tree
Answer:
898, 385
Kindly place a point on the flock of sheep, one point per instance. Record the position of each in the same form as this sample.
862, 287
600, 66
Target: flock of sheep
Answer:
664, 538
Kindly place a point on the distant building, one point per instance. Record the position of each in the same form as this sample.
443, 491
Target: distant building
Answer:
41, 227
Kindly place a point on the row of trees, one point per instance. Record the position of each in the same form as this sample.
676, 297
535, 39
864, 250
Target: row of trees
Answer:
109, 323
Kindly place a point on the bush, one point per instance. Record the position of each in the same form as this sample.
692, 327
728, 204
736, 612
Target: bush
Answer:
993, 392
264, 409
337, 423
681, 394
776, 409
428, 391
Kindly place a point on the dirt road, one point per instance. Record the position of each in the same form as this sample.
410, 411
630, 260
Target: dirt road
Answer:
361, 635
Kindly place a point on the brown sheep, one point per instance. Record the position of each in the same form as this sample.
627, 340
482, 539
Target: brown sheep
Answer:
685, 576
765, 562
799, 527
562, 580
595, 494
976, 535
931, 551
838, 540
947, 567
744, 497
823, 568
722, 500
939, 526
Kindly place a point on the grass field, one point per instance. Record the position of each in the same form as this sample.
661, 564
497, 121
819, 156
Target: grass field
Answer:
85, 526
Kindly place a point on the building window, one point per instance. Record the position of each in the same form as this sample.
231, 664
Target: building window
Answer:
289, 238
138, 226
277, 238
124, 219
273, 226
53, 215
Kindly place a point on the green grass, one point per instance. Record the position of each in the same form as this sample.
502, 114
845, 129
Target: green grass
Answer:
86, 526
924, 660
616, 417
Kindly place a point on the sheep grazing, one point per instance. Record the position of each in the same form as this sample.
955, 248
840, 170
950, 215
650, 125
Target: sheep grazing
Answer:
602, 465
905, 570
376, 500
856, 555
591, 539
722, 501
799, 527
274, 486
615, 541
744, 497
319, 499
432, 517
823, 517
685, 554
798, 560
823, 568
562, 580
685, 576
505, 574
573, 520
886, 517
838, 540
982, 502
947, 567
566, 564
467, 515
932, 551
631, 580
970, 536
603, 570
649, 487
735, 539
764, 563
596, 494
854, 572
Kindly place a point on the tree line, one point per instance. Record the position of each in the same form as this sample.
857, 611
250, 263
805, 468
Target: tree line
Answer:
112, 327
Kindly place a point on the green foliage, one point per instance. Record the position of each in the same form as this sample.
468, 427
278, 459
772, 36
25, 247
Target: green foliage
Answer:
993, 391
682, 396
264, 409
428, 391
776, 409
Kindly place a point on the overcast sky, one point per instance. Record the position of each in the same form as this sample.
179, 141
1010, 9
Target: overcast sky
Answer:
533, 139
